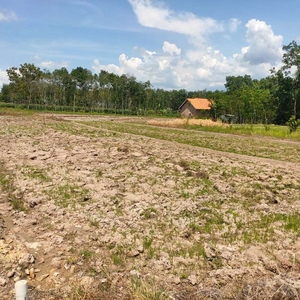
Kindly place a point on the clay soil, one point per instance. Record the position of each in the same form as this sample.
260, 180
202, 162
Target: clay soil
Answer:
116, 208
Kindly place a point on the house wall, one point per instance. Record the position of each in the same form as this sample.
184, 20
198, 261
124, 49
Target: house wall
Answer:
187, 110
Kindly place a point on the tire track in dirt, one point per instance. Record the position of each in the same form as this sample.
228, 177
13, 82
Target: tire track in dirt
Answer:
218, 153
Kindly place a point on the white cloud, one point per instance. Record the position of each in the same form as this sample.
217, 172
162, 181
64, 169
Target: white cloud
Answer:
200, 66
172, 71
208, 71
97, 67
132, 63
156, 15
171, 48
37, 57
3, 78
150, 52
51, 65
234, 24
6, 16
265, 46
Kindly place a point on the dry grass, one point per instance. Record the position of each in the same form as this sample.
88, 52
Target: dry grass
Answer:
182, 122
147, 291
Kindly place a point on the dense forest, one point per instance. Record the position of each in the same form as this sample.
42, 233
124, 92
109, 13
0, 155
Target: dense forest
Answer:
274, 99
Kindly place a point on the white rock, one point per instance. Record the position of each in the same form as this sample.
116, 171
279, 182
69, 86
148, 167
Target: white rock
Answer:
192, 279
10, 274
3, 282
86, 281
135, 273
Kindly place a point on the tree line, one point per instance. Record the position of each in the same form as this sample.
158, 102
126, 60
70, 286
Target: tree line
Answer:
273, 99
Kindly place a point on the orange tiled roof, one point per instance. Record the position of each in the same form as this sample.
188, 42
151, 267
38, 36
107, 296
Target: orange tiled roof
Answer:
200, 103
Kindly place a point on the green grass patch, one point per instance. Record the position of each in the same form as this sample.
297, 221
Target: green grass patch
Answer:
14, 111
86, 254
66, 195
7, 185
274, 131
35, 173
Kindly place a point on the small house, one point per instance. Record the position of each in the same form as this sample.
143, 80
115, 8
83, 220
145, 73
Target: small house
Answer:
195, 108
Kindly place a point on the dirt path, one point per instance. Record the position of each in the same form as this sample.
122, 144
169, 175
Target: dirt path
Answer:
217, 153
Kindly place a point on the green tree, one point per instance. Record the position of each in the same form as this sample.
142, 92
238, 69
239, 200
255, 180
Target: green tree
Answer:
291, 68
82, 79
234, 83
64, 87
8, 94
256, 101
26, 80
104, 100
283, 97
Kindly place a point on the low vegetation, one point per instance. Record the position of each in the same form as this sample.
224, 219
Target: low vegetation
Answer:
244, 141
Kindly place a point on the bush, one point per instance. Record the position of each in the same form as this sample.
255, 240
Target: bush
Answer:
293, 124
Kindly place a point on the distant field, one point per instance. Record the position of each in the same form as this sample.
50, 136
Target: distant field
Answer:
239, 142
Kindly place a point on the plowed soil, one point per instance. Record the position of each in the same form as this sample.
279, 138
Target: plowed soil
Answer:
116, 208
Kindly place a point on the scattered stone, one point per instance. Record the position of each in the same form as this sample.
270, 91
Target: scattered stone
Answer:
34, 245
140, 249
136, 154
11, 274
133, 253
52, 272
253, 254
285, 258
176, 280
31, 273
209, 251
86, 281
41, 278
34, 222
135, 273
3, 282
42, 260
192, 279
26, 260
56, 262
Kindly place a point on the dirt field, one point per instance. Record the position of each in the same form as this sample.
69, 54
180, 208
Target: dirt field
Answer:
115, 208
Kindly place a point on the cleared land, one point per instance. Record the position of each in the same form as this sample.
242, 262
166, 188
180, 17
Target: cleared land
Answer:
117, 208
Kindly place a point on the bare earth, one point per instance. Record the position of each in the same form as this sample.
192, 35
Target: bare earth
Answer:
103, 215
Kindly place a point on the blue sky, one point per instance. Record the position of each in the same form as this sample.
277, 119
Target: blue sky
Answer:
175, 44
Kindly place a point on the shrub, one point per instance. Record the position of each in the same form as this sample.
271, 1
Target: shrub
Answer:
293, 124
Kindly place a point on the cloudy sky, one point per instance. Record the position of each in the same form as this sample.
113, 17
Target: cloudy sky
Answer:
189, 44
